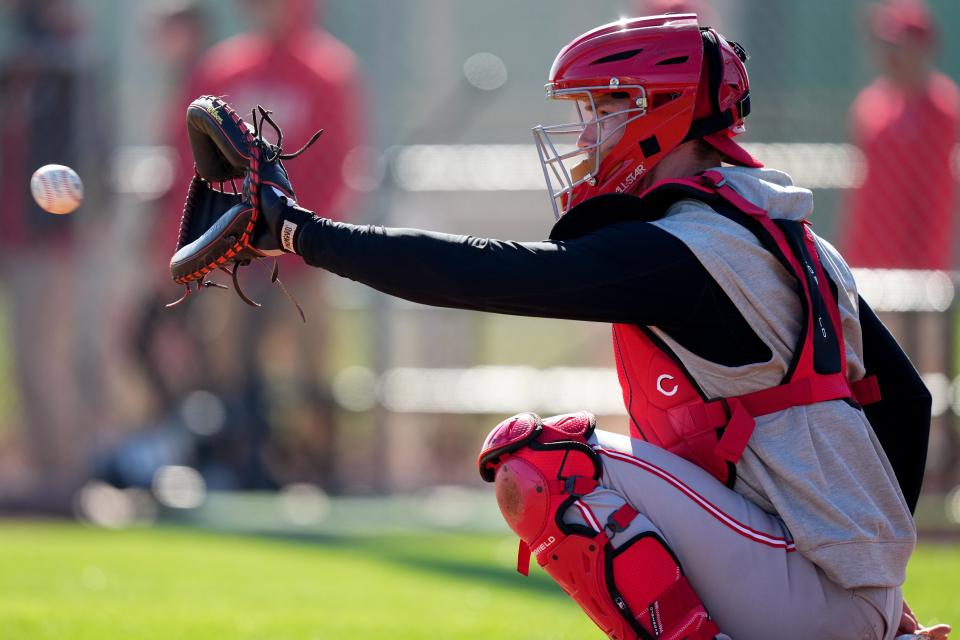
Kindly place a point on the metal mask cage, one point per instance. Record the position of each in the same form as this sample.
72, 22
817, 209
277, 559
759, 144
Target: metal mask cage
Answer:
565, 164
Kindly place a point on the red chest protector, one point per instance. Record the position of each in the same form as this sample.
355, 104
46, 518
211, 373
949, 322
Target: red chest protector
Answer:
666, 405
634, 592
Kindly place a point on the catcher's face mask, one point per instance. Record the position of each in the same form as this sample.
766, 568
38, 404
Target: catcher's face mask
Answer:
683, 82
572, 154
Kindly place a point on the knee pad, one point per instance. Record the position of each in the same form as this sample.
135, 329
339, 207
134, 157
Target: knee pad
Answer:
632, 590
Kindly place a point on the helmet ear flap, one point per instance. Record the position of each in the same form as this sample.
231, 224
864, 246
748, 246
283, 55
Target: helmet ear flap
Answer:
720, 108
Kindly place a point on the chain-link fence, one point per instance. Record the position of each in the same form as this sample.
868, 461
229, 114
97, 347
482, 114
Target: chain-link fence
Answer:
377, 395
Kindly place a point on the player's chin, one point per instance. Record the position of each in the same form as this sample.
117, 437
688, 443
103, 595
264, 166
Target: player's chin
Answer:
582, 168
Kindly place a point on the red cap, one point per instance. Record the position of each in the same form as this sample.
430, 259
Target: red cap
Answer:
898, 20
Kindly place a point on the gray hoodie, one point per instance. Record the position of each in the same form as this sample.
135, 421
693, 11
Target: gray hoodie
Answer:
819, 467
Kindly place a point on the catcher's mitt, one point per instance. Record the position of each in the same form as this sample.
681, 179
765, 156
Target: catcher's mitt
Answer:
224, 227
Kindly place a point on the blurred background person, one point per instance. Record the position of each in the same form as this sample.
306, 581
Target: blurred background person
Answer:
275, 366
47, 88
906, 124
182, 417
179, 33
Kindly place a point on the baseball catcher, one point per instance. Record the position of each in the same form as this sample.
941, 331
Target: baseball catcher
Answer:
779, 433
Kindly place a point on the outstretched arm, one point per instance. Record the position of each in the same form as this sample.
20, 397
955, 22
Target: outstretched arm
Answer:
630, 272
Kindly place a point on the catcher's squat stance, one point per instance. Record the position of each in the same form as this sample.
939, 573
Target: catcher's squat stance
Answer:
755, 499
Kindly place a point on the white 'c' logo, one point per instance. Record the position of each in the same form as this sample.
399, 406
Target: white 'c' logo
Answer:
660, 388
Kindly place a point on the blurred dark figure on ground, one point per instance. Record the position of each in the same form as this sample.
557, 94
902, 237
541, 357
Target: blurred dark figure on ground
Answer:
906, 124
274, 364
46, 94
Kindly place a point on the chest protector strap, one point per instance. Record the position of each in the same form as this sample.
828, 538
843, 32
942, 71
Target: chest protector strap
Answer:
666, 405
634, 591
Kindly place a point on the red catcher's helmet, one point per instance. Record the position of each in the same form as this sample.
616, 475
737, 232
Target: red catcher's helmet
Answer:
683, 82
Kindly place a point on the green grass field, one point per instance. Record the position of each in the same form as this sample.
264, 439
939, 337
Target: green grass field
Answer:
65, 582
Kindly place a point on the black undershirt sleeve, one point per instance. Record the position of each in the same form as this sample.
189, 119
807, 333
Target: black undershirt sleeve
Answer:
631, 272
901, 419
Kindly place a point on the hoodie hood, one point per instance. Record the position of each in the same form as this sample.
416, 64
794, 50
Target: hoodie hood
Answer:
771, 190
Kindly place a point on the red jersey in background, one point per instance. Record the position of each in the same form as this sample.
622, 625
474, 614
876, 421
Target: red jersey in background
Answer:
902, 215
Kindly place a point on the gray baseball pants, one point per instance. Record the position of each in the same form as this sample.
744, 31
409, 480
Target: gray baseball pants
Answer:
739, 559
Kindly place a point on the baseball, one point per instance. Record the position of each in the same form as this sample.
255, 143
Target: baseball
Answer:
56, 188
